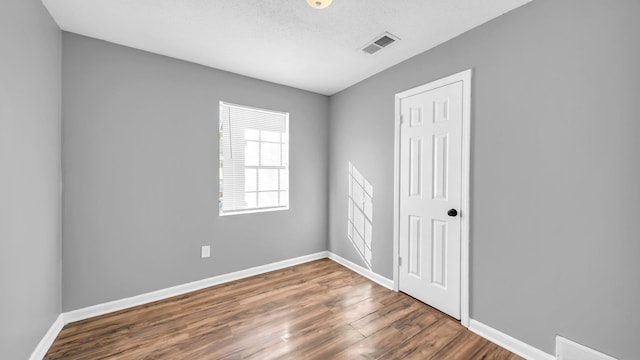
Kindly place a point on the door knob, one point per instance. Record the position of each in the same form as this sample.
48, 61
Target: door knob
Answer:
452, 212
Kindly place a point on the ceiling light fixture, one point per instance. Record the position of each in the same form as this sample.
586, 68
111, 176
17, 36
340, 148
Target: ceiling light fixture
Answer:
319, 4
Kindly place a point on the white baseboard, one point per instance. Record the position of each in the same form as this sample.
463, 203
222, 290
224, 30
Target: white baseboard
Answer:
510, 343
514, 345
362, 271
43, 346
571, 350
116, 305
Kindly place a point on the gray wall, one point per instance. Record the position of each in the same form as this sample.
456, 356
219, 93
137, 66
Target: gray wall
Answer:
555, 169
140, 166
29, 175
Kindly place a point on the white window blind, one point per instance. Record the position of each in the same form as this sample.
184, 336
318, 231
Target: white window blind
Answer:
254, 159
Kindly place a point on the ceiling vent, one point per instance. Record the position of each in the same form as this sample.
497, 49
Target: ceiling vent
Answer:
379, 43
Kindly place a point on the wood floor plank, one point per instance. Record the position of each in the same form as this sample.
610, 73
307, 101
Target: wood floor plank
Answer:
374, 346
427, 342
317, 310
384, 317
465, 346
416, 321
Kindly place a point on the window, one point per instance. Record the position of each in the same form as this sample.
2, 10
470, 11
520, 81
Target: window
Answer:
254, 160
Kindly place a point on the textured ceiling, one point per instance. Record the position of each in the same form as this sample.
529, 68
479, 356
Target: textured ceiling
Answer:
282, 41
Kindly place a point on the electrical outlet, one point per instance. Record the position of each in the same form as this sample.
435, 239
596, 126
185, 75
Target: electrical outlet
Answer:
205, 251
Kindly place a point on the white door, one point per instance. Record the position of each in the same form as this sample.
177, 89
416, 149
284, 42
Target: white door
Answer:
430, 196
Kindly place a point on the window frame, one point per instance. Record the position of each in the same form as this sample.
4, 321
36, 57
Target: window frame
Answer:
284, 144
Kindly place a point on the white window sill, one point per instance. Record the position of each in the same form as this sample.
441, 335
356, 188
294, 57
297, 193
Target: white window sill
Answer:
252, 211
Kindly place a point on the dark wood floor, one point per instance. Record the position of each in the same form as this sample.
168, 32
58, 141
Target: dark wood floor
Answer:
318, 310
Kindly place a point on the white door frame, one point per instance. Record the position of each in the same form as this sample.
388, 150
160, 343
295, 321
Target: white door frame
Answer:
465, 77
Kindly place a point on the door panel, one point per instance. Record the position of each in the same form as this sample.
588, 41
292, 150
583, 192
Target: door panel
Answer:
415, 240
440, 162
430, 185
415, 167
439, 253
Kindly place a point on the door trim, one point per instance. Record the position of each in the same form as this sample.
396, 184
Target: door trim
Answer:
465, 78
